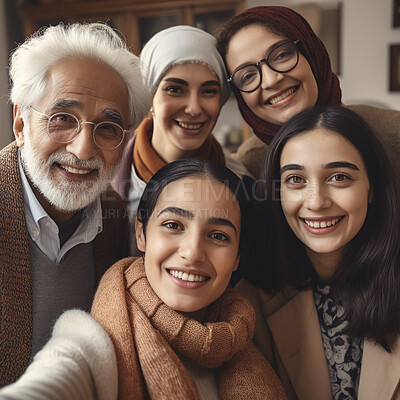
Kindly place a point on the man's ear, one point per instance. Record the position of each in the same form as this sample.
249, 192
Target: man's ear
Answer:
140, 239
235, 267
18, 127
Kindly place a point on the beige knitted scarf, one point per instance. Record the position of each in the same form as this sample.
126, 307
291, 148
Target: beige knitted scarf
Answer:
148, 335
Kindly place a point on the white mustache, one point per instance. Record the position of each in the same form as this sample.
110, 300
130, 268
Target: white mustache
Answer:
62, 157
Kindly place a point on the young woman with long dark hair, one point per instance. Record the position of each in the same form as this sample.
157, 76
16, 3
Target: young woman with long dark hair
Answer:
328, 298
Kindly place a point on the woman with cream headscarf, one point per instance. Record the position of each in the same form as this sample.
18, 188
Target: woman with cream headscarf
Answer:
186, 76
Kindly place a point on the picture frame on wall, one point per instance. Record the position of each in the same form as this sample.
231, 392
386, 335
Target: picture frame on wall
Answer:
394, 73
396, 13
326, 21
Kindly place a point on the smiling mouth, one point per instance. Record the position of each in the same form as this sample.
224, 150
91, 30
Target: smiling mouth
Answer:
73, 170
186, 125
322, 224
184, 276
282, 96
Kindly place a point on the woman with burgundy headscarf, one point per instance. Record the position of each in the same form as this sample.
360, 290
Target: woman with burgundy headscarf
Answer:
278, 67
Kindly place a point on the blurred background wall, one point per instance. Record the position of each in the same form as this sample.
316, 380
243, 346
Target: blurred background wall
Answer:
358, 34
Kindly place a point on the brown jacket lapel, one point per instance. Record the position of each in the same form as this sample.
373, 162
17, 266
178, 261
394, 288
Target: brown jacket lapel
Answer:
297, 336
380, 372
15, 273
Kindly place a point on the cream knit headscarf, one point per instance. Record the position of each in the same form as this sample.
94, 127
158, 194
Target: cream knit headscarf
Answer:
178, 45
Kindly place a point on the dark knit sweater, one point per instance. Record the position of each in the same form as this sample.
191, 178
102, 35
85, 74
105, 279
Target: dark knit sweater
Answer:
68, 284
15, 270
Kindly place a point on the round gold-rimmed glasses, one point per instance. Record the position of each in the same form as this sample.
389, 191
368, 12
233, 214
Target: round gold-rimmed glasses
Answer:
64, 127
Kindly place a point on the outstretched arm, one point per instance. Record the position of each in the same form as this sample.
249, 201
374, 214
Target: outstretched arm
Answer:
78, 363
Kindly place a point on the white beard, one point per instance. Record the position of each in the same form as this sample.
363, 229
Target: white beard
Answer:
65, 195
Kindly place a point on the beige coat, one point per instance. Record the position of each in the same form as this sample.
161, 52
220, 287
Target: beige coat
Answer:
288, 333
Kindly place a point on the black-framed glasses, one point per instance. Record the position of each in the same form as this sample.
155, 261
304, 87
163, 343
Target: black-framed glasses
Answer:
282, 58
64, 127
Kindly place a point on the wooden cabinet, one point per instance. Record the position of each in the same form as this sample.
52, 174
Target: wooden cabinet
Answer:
137, 20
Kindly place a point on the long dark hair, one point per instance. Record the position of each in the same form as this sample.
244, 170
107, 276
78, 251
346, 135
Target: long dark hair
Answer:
367, 281
184, 168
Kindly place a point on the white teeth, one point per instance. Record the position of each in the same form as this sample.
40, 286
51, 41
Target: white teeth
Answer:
189, 126
73, 170
322, 224
187, 277
282, 96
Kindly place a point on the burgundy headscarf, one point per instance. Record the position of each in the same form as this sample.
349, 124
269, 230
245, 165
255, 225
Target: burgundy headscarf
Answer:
293, 26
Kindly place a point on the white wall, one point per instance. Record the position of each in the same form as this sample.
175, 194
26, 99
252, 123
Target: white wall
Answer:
5, 108
367, 33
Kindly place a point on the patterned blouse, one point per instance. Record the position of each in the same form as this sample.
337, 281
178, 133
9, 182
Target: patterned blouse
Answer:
343, 353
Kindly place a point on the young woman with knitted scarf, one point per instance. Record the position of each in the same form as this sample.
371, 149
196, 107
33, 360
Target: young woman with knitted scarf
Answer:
177, 332
279, 67
187, 78
328, 300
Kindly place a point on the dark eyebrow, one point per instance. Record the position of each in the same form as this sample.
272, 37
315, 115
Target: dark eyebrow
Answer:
178, 211
334, 164
65, 103
210, 83
221, 221
185, 83
278, 43
189, 215
177, 80
266, 53
341, 164
109, 114
290, 167
113, 115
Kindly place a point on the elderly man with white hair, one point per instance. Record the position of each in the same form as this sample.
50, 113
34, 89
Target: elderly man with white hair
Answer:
78, 93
